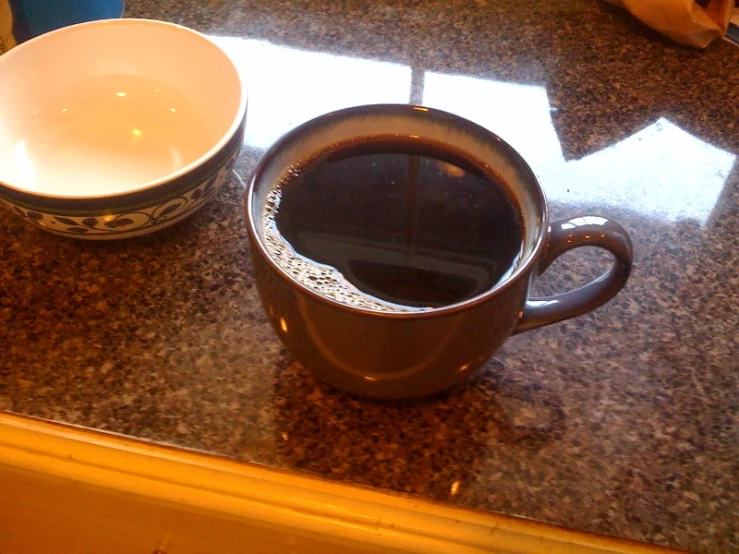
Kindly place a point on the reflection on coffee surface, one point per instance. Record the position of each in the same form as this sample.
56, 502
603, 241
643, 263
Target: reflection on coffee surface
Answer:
393, 224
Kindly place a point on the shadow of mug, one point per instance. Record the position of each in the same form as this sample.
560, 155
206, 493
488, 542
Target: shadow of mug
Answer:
432, 446
22, 20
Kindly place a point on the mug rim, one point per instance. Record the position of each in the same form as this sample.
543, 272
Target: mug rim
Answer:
522, 269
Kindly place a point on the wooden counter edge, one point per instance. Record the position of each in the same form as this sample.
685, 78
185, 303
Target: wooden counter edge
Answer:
68, 489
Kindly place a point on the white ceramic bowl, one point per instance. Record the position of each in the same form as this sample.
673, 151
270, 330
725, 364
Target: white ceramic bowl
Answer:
116, 128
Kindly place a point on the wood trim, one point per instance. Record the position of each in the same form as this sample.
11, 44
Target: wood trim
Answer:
66, 489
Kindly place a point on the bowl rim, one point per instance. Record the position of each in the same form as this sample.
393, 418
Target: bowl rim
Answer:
225, 138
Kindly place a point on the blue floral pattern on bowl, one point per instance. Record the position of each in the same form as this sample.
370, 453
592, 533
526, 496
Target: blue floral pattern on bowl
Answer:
124, 224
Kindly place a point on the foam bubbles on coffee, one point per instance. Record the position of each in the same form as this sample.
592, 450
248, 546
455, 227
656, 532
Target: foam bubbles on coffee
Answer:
324, 280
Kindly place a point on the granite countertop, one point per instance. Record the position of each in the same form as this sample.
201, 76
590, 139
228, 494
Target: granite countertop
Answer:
623, 422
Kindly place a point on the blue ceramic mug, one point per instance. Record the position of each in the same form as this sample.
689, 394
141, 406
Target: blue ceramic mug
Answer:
21, 20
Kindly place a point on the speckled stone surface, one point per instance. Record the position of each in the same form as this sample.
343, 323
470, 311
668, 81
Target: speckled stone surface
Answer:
623, 422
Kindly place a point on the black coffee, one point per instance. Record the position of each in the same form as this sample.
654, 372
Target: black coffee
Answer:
394, 224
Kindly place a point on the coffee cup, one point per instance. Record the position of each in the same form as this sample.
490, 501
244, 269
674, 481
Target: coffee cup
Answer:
394, 248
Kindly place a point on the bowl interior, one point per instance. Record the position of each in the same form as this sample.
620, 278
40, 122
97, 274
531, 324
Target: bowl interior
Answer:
113, 106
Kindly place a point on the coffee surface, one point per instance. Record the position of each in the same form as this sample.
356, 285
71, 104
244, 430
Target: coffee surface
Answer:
394, 224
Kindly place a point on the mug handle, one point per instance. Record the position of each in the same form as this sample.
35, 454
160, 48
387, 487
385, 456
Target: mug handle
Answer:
565, 235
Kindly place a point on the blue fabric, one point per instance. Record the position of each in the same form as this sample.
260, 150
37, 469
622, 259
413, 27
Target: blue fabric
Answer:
35, 17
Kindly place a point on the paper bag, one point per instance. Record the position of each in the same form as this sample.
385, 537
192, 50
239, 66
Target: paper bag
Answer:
691, 22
